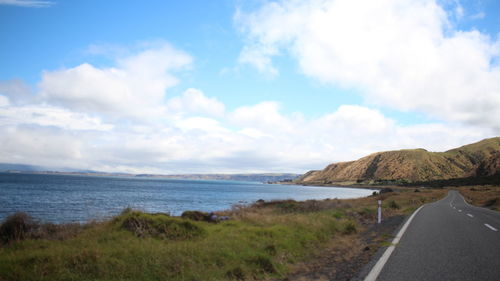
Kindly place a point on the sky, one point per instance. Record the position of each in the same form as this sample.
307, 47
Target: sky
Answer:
234, 86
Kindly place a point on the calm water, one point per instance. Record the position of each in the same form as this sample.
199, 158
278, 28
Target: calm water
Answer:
62, 198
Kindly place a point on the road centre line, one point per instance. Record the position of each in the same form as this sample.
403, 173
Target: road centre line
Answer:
470, 215
490, 227
460, 210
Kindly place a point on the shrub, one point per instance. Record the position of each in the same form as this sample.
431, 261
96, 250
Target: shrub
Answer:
236, 274
160, 226
338, 214
288, 206
264, 263
367, 212
16, 227
271, 250
53, 231
393, 205
349, 228
196, 216
491, 202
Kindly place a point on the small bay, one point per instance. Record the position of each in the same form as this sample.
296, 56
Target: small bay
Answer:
75, 198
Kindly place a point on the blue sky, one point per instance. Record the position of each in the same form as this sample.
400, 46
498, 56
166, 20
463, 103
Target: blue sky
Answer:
60, 36
242, 86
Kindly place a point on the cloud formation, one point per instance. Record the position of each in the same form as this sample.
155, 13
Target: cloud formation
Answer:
407, 55
122, 118
136, 86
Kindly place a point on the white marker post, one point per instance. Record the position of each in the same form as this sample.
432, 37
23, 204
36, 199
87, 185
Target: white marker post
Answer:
379, 211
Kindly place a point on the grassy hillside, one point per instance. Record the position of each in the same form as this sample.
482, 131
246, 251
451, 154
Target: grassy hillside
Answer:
414, 165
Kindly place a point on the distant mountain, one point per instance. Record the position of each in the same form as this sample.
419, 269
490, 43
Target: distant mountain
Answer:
265, 177
8, 167
473, 161
19, 167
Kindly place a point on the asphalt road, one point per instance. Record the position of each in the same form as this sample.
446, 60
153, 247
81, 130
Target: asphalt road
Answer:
447, 240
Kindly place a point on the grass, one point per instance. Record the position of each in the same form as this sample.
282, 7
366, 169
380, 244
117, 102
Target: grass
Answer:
483, 196
259, 242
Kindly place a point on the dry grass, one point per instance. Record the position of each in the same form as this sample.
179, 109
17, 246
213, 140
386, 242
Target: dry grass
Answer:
483, 196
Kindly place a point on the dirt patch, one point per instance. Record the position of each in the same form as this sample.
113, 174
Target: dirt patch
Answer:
345, 256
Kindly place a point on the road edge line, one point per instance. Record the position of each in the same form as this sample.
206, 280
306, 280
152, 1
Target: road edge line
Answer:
377, 268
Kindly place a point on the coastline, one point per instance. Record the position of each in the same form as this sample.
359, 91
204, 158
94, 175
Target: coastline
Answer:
268, 240
342, 185
105, 196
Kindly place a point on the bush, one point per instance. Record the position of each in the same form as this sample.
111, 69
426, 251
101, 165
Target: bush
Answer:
236, 274
264, 263
393, 205
16, 227
289, 206
338, 214
196, 216
349, 228
160, 226
386, 190
491, 202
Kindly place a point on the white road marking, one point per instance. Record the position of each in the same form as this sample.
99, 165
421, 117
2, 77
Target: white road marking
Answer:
470, 215
490, 227
377, 268
460, 210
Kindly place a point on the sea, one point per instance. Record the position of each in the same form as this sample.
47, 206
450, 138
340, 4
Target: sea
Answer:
81, 198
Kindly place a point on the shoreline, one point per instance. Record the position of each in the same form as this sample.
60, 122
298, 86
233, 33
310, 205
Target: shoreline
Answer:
339, 185
149, 196
280, 240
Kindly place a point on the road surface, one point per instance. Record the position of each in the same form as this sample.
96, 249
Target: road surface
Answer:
447, 240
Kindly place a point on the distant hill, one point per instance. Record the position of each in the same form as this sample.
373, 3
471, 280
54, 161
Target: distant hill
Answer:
9, 167
262, 177
266, 177
18, 167
474, 161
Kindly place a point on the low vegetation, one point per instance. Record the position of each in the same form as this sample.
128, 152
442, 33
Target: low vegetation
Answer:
482, 196
265, 241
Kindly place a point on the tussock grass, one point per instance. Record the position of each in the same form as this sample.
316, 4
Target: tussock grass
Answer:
158, 226
483, 196
259, 242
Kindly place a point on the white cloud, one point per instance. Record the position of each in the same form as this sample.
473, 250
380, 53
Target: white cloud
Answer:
4, 101
40, 146
27, 3
402, 54
49, 116
136, 86
193, 101
264, 116
119, 119
260, 57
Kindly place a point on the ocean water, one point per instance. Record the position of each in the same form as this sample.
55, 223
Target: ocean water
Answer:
69, 198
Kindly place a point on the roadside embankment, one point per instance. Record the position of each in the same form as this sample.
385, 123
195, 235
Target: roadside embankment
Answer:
486, 196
